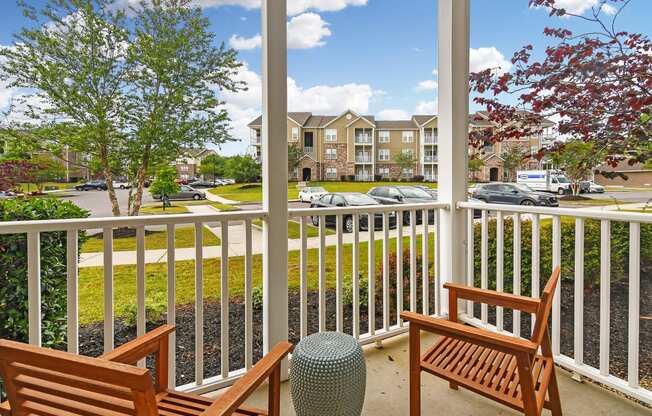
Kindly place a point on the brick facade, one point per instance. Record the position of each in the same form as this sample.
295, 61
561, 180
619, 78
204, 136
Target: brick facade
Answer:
343, 167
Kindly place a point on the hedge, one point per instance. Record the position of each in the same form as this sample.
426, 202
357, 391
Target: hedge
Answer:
619, 252
13, 270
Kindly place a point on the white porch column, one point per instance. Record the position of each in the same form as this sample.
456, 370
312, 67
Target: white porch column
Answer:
453, 62
275, 176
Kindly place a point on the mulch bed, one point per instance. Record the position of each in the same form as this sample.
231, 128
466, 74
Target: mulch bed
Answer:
91, 335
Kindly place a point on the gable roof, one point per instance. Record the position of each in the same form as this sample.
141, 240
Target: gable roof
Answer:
423, 119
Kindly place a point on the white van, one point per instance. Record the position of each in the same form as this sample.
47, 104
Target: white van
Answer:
544, 180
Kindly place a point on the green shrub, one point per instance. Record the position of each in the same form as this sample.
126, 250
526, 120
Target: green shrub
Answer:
13, 269
257, 297
347, 291
619, 252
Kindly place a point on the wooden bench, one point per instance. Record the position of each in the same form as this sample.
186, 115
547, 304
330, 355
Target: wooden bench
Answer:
55, 383
501, 367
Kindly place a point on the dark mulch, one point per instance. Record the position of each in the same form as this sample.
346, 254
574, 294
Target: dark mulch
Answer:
91, 335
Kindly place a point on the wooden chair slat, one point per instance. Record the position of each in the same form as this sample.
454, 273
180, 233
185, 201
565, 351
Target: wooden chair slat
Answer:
63, 403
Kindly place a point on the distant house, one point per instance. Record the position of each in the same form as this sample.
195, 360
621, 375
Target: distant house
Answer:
637, 175
189, 163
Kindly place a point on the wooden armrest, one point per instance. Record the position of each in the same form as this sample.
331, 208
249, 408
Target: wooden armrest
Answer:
463, 332
491, 297
141, 347
228, 403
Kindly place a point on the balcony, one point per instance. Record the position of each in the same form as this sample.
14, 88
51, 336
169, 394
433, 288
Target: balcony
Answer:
363, 159
430, 159
256, 141
309, 150
429, 139
363, 139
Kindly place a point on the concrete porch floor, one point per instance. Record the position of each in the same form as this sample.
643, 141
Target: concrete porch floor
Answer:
387, 391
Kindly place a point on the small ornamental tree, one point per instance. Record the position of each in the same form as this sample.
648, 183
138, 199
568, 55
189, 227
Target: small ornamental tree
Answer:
165, 183
243, 169
44, 169
404, 160
597, 83
12, 172
577, 159
212, 166
294, 156
475, 165
512, 160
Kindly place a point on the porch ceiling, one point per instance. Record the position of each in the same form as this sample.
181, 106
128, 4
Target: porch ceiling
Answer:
387, 391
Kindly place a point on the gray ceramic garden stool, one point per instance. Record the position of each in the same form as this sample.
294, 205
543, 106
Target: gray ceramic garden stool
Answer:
328, 376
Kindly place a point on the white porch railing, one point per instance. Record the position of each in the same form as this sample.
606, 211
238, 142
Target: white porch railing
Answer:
363, 139
576, 361
383, 260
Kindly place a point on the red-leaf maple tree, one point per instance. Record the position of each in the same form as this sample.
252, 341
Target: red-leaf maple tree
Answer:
14, 171
597, 84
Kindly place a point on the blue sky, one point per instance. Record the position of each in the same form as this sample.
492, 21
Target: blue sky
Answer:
375, 56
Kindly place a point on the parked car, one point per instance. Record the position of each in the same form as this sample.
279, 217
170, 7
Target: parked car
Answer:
97, 185
513, 194
403, 194
185, 192
121, 185
431, 191
350, 199
310, 193
6, 194
202, 184
228, 181
593, 187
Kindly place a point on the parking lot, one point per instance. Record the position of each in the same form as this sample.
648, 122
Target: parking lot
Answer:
98, 203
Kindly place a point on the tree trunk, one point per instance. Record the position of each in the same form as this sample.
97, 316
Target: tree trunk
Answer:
140, 185
108, 177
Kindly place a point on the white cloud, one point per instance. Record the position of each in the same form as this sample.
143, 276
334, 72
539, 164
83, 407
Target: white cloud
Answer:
305, 31
426, 107
242, 44
579, 7
294, 7
488, 58
427, 85
393, 114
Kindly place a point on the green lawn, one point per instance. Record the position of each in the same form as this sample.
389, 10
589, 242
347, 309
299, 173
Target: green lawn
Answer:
158, 209
28, 187
592, 202
253, 192
216, 205
184, 237
294, 229
91, 286
641, 211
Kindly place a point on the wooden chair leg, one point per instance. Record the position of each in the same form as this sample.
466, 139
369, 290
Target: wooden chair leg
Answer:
453, 386
415, 371
553, 388
274, 393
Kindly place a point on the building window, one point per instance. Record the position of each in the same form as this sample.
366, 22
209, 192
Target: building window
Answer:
331, 135
408, 172
331, 153
383, 136
383, 154
408, 137
488, 148
409, 152
331, 173
184, 168
384, 172
295, 134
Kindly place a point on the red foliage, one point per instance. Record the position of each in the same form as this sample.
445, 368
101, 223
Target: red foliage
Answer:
14, 171
598, 85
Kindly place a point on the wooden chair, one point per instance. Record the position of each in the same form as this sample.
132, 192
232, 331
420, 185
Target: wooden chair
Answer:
503, 368
40, 381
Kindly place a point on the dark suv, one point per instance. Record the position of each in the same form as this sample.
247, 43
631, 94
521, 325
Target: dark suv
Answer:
403, 194
513, 194
350, 199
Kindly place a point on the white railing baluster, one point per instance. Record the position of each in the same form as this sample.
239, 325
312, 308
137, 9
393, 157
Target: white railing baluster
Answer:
484, 263
322, 273
634, 304
140, 285
34, 286
72, 295
605, 294
399, 266
108, 289
470, 258
536, 269
171, 306
386, 322
500, 268
355, 277
339, 276
516, 288
579, 292
413, 261
371, 273
435, 268
303, 276
248, 288
556, 302
199, 304
425, 288
224, 300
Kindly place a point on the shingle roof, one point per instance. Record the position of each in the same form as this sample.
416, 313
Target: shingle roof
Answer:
300, 117
422, 119
396, 124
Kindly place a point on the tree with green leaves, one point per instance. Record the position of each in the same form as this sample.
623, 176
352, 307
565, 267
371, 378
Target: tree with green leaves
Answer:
73, 56
294, 156
404, 160
165, 183
577, 159
173, 104
475, 165
512, 159
45, 168
212, 166
243, 169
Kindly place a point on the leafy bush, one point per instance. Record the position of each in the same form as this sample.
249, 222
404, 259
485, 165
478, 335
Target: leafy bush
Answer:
13, 269
257, 297
619, 252
347, 291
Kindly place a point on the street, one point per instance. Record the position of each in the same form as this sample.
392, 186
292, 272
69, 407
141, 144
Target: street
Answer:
98, 204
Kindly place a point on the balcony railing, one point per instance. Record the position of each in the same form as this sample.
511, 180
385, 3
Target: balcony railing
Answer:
429, 159
363, 158
429, 139
256, 141
537, 228
308, 149
363, 139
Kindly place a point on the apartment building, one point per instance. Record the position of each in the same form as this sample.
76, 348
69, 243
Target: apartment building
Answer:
189, 163
359, 147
